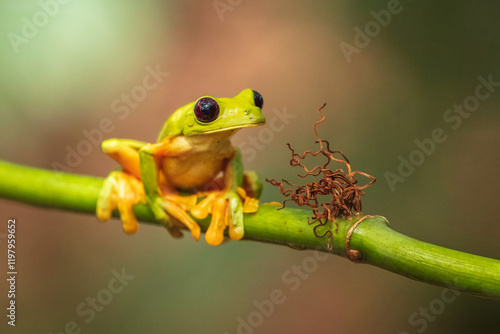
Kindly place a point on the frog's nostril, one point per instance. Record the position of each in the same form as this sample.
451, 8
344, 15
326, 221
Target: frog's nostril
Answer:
247, 111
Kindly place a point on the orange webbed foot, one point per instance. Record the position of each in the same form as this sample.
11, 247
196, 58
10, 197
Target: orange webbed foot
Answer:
227, 210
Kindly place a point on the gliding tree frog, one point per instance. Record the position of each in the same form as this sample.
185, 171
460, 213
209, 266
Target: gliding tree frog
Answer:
193, 155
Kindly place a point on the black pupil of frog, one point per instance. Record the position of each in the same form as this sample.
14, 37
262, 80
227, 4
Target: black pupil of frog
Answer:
206, 110
258, 99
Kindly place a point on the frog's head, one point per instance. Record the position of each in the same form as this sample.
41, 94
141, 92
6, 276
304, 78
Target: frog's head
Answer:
210, 114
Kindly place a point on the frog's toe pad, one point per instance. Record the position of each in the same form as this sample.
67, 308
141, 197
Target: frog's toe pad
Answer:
130, 226
236, 232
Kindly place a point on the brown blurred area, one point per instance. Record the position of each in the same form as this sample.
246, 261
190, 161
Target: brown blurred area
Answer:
83, 61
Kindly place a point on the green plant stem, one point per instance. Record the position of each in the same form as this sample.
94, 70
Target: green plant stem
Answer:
377, 243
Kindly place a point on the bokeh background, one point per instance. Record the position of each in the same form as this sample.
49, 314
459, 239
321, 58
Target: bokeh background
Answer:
61, 77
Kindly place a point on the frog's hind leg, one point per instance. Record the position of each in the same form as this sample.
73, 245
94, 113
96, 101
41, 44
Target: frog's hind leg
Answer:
251, 184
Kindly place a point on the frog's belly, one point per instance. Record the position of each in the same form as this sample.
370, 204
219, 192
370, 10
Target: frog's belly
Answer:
193, 171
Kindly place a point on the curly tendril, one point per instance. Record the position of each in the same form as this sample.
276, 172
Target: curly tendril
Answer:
343, 194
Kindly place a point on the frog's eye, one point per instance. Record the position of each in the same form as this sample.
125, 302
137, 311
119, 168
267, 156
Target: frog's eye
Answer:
258, 100
206, 110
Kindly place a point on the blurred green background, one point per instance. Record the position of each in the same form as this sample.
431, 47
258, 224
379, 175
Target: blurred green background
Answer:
67, 66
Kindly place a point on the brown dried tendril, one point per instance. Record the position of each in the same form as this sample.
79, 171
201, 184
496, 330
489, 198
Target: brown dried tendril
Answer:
340, 186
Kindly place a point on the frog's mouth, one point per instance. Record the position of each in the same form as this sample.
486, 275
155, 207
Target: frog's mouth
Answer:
248, 125
237, 127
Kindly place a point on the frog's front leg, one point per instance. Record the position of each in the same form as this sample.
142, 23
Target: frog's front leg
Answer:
171, 203
121, 189
228, 205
